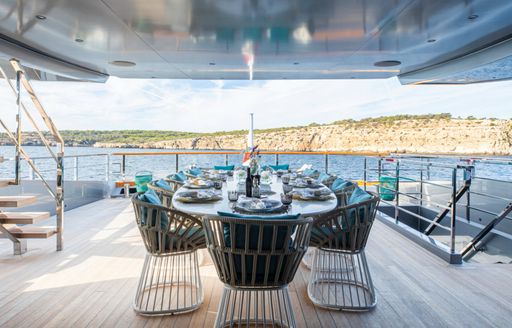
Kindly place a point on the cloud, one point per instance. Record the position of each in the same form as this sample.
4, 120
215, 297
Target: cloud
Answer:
206, 106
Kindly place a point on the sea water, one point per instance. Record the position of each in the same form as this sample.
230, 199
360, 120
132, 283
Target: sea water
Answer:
100, 164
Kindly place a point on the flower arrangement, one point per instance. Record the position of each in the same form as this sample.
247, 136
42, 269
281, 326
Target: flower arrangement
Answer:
252, 159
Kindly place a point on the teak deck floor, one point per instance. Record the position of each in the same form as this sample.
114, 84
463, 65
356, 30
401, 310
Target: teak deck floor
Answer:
92, 282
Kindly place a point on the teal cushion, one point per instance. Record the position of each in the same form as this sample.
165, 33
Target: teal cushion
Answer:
261, 264
151, 197
284, 167
163, 184
320, 234
339, 185
194, 234
311, 172
195, 172
324, 177
180, 176
254, 233
358, 195
224, 168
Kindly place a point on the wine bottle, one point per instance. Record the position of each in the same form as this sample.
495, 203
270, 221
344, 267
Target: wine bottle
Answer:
248, 183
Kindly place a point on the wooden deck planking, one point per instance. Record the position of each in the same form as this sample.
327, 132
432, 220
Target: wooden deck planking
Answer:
92, 282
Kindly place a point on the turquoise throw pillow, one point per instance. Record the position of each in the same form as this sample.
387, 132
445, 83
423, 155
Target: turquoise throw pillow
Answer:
324, 177
151, 197
358, 195
310, 172
163, 184
224, 168
261, 264
339, 185
254, 231
195, 172
284, 167
180, 176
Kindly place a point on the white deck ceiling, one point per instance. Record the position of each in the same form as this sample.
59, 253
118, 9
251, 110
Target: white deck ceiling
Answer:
435, 41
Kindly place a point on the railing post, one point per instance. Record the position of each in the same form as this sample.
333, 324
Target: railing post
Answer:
397, 189
453, 211
364, 173
17, 169
123, 174
177, 164
379, 173
76, 168
59, 200
421, 188
226, 162
326, 163
428, 169
277, 159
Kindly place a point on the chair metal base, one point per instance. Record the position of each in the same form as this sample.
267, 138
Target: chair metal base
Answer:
307, 260
169, 284
341, 281
255, 307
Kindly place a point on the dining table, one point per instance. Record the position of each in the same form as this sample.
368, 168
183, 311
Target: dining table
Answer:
304, 208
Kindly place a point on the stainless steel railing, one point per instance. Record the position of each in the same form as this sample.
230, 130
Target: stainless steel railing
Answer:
58, 192
458, 185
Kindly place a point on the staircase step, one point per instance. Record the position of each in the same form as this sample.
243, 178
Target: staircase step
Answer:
17, 201
23, 217
26, 232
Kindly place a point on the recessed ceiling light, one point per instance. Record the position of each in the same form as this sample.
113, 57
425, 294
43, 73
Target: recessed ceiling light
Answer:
474, 16
122, 63
431, 40
79, 40
41, 17
387, 63
212, 64
296, 63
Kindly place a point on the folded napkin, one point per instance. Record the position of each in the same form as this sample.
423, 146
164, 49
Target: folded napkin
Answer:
305, 167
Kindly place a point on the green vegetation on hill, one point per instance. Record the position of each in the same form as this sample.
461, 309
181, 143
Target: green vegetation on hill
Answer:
90, 137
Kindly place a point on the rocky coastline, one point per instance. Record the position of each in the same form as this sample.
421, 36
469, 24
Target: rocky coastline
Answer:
443, 136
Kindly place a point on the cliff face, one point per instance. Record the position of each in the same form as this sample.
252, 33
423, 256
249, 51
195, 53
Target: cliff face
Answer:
453, 136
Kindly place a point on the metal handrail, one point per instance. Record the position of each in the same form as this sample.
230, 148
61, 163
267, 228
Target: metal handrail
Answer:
457, 194
58, 194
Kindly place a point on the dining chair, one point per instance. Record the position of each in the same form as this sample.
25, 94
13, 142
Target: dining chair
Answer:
256, 258
340, 277
164, 191
342, 194
170, 282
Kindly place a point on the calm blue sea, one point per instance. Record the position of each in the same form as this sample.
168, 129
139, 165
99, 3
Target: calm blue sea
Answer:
94, 167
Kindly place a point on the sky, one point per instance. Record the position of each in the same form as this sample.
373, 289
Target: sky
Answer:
207, 106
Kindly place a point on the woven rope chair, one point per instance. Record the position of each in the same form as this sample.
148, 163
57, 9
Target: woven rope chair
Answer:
342, 197
170, 282
164, 195
256, 259
340, 278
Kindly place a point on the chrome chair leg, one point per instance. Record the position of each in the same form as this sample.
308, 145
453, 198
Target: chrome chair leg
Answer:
255, 307
341, 281
169, 284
